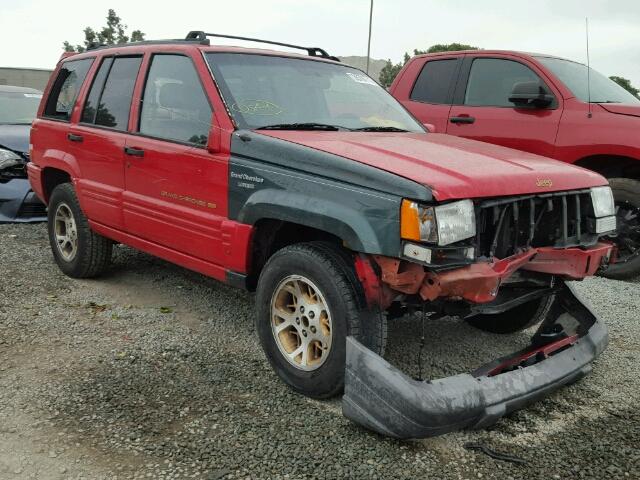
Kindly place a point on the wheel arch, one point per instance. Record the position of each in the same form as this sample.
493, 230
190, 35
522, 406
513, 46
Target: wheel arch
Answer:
612, 166
51, 178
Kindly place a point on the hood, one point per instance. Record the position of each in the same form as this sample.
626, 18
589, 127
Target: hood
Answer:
15, 137
452, 167
622, 109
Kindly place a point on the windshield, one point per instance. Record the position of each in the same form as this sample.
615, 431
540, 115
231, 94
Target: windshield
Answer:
18, 107
268, 91
574, 76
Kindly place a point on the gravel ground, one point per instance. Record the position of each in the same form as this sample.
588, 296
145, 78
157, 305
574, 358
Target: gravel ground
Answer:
155, 372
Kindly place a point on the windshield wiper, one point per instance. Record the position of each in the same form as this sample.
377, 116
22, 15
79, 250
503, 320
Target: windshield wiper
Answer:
304, 126
380, 129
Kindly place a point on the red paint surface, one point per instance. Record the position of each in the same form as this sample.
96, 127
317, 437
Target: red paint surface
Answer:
566, 133
452, 167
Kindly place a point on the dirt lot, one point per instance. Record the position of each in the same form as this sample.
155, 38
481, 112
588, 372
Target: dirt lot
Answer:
154, 372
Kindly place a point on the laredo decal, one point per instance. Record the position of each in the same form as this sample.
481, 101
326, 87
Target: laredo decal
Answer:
245, 180
187, 199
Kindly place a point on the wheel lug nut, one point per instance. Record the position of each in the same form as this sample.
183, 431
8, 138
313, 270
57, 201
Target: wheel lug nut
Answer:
304, 333
301, 309
313, 329
298, 321
311, 314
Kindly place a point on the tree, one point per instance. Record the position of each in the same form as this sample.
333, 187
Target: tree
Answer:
626, 84
112, 34
390, 70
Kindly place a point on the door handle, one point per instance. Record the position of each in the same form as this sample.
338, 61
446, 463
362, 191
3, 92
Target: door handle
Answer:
134, 152
75, 138
462, 119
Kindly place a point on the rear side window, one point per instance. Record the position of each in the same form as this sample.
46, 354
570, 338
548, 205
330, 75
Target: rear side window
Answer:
435, 81
491, 81
174, 105
65, 89
109, 100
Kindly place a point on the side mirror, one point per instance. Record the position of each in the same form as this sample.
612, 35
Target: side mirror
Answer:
214, 142
530, 95
431, 128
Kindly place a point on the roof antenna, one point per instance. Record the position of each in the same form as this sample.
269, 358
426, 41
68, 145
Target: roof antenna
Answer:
369, 43
590, 114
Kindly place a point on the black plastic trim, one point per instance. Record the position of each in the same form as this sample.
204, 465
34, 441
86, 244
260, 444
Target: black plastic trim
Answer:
381, 398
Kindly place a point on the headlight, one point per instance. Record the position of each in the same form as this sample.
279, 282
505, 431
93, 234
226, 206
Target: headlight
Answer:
8, 159
602, 199
442, 224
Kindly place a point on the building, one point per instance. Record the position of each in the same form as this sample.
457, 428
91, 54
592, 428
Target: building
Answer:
25, 77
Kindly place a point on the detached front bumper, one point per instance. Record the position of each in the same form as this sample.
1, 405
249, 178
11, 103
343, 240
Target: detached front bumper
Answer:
18, 204
380, 397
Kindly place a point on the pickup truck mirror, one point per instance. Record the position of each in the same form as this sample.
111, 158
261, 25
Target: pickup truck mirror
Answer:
431, 128
530, 95
214, 141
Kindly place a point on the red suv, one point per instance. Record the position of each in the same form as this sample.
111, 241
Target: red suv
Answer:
304, 180
540, 104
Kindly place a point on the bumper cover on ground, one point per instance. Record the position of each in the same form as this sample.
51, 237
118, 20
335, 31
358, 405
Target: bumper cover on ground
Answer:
18, 204
380, 397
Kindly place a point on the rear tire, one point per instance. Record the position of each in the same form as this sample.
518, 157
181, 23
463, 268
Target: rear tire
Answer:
515, 320
626, 193
308, 301
78, 251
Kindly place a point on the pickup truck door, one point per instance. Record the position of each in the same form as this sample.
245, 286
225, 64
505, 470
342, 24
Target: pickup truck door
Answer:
429, 97
175, 189
482, 110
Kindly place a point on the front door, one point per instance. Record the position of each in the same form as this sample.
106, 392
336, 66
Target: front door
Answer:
176, 190
485, 113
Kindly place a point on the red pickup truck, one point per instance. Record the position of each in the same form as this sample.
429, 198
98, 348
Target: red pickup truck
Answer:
540, 104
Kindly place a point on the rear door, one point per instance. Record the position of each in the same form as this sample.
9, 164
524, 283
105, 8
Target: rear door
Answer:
100, 137
429, 98
176, 190
482, 110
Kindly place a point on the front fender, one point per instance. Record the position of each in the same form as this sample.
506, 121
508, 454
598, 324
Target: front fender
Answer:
350, 224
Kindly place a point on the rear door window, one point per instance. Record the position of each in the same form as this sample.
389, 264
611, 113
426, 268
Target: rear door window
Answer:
109, 101
435, 81
65, 89
174, 105
491, 81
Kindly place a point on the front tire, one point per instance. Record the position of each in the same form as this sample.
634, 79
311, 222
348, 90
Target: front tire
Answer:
308, 301
78, 251
626, 193
515, 320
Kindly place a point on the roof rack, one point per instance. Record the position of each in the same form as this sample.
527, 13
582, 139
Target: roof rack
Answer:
201, 37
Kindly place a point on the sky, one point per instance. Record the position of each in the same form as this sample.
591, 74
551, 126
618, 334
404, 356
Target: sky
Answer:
32, 31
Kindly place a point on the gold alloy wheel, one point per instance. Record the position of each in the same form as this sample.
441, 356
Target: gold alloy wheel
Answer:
66, 232
301, 322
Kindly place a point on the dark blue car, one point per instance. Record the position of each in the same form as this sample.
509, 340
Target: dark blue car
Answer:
18, 107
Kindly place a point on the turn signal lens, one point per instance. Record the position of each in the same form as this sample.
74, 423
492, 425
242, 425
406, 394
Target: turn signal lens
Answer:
409, 221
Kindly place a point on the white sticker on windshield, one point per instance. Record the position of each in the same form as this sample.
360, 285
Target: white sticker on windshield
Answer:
33, 95
358, 77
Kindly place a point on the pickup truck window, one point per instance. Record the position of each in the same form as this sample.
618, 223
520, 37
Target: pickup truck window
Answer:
266, 90
574, 76
491, 81
174, 105
65, 89
434, 82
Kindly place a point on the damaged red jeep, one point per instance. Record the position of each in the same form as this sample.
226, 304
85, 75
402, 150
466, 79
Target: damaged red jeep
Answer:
302, 179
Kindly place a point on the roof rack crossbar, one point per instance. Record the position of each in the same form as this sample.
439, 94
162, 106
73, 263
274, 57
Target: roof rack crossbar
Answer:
311, 51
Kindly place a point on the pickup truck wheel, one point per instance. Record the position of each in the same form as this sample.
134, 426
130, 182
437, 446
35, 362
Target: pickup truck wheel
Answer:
626, 193
78, 251
308, 301
515, 320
